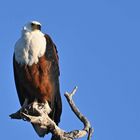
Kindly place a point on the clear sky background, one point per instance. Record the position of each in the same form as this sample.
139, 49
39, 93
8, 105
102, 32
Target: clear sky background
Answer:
99, 48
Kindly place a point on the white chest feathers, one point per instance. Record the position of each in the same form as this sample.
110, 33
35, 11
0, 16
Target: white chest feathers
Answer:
30, 47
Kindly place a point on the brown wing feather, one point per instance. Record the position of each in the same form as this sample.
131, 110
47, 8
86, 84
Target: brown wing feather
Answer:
19, 87
51, 53
41, 81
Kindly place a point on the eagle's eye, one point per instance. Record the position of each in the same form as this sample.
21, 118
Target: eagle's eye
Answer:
35, 26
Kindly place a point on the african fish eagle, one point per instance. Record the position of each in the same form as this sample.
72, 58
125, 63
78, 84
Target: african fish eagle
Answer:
36, 71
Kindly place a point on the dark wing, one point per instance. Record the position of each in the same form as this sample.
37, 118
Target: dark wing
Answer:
19, 88
51, 54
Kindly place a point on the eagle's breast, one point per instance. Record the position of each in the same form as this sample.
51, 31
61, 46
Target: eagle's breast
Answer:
30, 47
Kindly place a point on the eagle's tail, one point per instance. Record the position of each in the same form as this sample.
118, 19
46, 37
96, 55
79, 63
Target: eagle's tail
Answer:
40, 131
54, 137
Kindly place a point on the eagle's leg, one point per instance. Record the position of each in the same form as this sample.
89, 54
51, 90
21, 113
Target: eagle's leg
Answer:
25, 103
23, 107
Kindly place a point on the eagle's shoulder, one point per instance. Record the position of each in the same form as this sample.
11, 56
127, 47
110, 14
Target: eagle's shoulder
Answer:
52, 54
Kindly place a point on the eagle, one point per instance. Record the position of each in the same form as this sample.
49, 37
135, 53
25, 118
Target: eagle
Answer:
36, 71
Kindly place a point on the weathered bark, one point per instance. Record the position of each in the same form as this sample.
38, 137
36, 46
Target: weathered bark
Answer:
36, 113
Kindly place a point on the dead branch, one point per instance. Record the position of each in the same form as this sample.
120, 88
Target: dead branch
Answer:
36, 113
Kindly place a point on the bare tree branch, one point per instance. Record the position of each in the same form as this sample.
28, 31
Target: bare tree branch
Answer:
36, 113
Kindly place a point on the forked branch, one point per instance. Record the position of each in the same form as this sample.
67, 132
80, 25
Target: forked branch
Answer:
41, 118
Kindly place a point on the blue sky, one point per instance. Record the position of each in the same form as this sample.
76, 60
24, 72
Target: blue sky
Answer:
98, 43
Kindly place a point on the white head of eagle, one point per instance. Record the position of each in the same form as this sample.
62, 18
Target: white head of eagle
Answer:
31, 44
